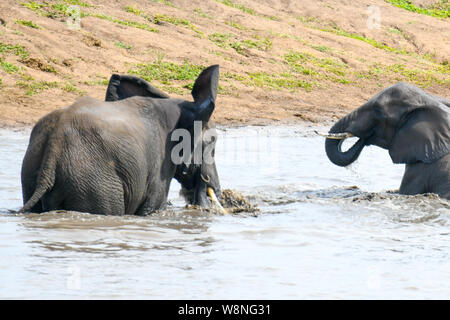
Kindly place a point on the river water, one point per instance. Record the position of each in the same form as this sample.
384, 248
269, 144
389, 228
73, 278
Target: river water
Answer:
323, 232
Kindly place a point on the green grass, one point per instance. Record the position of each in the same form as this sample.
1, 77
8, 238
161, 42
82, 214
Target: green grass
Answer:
321, 48
314, 23
77, 3
238, 6
166, 2
158, 18
69, 87
15, 49
440, 10
235, 25
241, 7
34, 6
8, 67
27, 23
420, 77
341, 32
277, 82
61, 8
133, 24
167, 72
134, 10
435, 75
441, 5
307, 64
122, 45
228, 40
307, 19
220, 39
233, 76
241, 46
97, 82
34, 87
203, 14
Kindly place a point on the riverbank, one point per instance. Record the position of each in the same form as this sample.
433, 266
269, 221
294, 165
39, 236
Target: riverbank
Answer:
282, 62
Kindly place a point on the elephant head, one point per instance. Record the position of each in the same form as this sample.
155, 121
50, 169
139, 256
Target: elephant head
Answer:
199, 179
413, 125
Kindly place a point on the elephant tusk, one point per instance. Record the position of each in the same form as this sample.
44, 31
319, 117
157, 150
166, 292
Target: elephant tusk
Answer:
337, 136
211, 194
206, 179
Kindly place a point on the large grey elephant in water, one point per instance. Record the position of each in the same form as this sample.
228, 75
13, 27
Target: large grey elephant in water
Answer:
114, 156
412, 124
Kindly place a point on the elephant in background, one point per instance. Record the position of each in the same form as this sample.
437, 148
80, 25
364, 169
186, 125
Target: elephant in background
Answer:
113, 157
412, 124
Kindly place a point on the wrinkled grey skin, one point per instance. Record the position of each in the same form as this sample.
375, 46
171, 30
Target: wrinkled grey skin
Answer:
194, 179
114, 157
413, 125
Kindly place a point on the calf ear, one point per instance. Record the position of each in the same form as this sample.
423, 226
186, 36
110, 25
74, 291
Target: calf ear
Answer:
424, 136
206, 85
122, 87
204, 92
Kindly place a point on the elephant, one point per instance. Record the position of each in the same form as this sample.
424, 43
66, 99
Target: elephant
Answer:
114, 157
412, 125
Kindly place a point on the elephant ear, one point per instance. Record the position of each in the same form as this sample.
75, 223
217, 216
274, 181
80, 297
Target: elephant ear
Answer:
122, 87
204, 92
424, 136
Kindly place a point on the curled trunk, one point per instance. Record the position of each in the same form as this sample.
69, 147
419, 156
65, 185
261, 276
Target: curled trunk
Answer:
333, 147
340, 158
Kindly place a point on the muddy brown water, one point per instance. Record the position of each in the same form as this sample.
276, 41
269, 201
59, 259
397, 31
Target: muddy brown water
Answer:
322, 232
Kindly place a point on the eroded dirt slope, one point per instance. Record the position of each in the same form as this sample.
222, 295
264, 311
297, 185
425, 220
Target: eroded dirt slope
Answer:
280, 60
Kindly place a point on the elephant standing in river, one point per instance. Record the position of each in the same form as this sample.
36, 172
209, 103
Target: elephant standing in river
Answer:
114, 156
413, 125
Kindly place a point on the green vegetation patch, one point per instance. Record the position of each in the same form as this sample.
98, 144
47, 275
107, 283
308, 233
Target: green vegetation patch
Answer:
69, 87
97, 82
28, 23
398, 72
77, 3
165, 2
62, 8
203, 14
123, 45
167, 72
439, 10
314, 23
134, 10
159, 18
8, 67
278, 81
241, 7
34, 6
228, 40
15, 49
307, 64
236, 25
33, 87
133, 24
341, 32
238, 6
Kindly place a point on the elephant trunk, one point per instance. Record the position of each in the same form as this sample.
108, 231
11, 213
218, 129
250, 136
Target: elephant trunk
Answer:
338, 133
